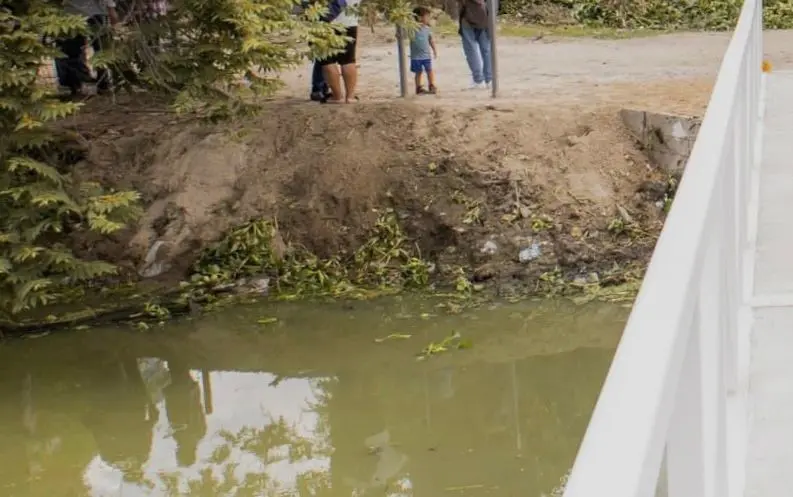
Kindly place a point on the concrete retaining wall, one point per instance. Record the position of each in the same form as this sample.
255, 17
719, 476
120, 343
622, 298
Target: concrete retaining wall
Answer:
666, 138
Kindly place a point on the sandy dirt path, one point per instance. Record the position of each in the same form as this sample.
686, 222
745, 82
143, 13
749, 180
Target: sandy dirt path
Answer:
671, 72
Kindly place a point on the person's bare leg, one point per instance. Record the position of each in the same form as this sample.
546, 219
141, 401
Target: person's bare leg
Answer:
418, 82
333, 79
350, 74
431, 80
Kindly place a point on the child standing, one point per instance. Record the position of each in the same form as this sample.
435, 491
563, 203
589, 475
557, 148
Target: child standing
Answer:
422, 51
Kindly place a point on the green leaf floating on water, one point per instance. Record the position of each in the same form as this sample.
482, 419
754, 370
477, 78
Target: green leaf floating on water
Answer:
451, 342
393, 336
266, 321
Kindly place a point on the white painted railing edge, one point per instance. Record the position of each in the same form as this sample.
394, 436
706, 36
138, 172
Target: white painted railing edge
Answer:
754, 198
741, 412
622, 451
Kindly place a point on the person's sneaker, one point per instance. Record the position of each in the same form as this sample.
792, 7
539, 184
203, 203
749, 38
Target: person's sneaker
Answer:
420, 90
433, 90
488, 85
476, 86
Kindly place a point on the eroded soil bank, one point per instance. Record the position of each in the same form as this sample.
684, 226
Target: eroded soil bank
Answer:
520, 197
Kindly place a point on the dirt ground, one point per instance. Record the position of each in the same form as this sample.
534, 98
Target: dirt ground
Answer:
671, 73
547, 167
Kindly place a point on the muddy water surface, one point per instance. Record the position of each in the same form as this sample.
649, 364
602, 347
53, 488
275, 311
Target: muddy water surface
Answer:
317, 403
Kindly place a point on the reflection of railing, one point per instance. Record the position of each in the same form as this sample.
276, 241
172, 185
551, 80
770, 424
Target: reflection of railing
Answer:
671, 389
206, 391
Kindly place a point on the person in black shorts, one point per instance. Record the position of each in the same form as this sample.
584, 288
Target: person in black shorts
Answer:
342, 65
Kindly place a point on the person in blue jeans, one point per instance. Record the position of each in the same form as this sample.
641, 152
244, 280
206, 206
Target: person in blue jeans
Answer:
476, 41
319, 88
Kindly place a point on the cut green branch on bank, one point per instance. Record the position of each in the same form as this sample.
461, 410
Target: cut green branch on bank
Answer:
387, 260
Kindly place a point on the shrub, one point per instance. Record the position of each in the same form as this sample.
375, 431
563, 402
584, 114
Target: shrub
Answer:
40, 204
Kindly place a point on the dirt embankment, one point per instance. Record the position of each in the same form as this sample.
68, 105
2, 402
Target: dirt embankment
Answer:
544, 177
509, 193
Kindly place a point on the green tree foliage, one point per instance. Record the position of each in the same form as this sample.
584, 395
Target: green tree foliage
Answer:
657, 14
39, 203
214, 56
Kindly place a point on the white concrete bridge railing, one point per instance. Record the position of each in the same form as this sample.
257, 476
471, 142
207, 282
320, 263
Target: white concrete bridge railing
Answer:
672, 415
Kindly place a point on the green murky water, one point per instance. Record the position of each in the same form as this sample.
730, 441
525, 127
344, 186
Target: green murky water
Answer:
310, 405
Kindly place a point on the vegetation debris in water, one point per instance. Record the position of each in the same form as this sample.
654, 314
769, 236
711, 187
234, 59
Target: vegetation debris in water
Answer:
452, 342
393, 336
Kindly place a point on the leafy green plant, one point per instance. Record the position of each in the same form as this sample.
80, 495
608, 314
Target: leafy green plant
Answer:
617, 226
40, 204
462, 285
386, 260
541, 223
387, 257
653, 14
551, 283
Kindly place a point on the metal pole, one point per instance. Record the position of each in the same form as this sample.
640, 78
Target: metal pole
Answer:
403, 69
492, 7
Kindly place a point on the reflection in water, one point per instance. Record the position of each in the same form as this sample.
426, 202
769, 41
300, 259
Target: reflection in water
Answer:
129, 424
185, 412
119, 399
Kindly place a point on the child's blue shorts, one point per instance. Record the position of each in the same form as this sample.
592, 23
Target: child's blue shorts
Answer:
416, 66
